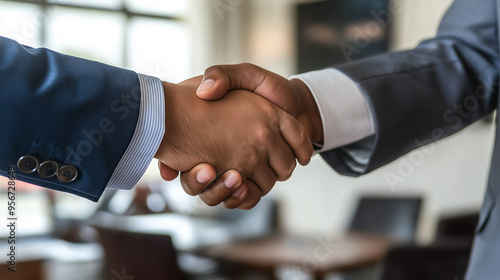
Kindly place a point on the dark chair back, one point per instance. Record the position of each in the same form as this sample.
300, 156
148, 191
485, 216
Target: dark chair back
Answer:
457, 228
139, 255
425, 263
395, 218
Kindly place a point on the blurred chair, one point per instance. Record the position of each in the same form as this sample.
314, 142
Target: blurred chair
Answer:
457, 228
446, 258
139, 255
425, 263
133, 255
395, 218
392, 217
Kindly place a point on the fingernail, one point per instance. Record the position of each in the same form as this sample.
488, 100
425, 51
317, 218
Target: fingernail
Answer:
238, 192
207, 85
202, 176
231, 181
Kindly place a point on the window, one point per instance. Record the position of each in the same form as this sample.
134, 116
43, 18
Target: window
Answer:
147, 36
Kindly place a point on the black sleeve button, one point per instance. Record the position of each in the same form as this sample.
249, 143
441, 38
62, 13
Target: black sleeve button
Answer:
67, 174
28, 164
48, 169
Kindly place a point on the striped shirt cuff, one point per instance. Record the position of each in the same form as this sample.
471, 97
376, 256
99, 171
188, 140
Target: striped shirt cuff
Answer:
146, 139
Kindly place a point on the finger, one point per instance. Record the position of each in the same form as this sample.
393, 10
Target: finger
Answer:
236, 198
218, 80
297, 138
222, 188
282, 160
265, 178
167, 173
196, 180
253, 197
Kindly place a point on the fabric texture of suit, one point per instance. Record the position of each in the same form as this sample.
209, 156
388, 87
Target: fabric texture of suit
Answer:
425, 94
66, 109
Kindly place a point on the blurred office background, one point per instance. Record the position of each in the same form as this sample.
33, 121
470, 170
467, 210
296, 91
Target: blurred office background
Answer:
178, 39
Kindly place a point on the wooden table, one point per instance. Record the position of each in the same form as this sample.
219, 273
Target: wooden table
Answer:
25, 270
316, 255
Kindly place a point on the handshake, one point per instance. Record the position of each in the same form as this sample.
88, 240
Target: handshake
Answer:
236, 131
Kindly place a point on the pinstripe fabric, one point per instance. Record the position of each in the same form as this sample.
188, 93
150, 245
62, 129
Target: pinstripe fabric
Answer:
146, 139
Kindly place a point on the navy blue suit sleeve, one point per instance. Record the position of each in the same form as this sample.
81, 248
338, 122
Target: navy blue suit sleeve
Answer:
425, 94
69, 110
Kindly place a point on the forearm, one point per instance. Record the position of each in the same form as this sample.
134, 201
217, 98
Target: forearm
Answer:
69, 110
423, 95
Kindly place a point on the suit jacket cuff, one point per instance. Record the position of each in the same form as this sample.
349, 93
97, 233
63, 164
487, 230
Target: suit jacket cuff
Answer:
147, 136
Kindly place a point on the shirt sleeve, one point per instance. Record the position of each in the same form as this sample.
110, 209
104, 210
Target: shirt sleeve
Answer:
344, 110
147, 136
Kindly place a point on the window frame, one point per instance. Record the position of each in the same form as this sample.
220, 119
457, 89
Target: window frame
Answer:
128, 14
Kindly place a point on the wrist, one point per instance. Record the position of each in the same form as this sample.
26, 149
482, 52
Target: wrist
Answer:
168, 92
309, 116
183, 145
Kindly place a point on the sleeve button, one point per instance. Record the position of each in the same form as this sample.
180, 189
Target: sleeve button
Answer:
28, 164
67, 174
48, 169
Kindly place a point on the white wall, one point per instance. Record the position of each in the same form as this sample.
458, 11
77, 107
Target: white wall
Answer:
416, 20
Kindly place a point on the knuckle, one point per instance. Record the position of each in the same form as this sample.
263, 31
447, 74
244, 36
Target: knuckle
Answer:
225, 205
275, 125
302, 136
213, 70
250, 205
267, 189
286, 124
209, 201
252, 158
268, 186
287, 173
247, 65
265, 136
304, 149
231, 204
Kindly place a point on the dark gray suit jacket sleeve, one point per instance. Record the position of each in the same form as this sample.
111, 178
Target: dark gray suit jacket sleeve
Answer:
430, 92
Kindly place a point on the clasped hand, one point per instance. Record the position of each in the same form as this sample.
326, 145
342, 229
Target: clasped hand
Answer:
234, 149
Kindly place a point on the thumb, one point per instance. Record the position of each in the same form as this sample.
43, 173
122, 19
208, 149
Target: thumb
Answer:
209, 91
218, 80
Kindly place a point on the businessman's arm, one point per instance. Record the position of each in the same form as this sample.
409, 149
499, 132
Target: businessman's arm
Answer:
414, 97
76, 113
102, 125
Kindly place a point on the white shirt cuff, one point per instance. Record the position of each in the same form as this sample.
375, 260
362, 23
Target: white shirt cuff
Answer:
147, 136
344, 109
